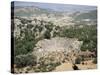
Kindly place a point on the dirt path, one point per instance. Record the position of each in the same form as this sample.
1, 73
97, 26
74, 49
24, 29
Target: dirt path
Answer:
68, 66
64, 67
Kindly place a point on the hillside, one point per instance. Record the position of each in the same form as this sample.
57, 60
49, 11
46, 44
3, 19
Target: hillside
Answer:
48, 39
29, 11
88, 15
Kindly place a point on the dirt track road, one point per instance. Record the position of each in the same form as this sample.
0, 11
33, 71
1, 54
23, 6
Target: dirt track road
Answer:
68, 66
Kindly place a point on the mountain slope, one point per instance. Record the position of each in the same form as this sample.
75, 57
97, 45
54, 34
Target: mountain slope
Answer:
88, 15
28, 11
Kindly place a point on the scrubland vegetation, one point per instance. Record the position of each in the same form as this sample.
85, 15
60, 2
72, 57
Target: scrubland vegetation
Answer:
33, 24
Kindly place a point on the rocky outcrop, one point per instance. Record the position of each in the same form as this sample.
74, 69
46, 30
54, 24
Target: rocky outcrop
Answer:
56, 48
59, 44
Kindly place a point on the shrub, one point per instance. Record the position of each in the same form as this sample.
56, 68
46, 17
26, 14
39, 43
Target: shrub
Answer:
78, 60
25, 60
95, 61
46, 68
47, 34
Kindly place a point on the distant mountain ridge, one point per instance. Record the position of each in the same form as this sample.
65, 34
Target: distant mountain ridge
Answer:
57, 7
88, 15
28, 11
32, 10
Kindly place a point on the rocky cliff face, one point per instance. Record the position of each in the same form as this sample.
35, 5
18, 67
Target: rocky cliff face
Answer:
57, 48
59, 44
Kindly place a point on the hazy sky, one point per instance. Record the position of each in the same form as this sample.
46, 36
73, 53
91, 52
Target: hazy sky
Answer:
57, 7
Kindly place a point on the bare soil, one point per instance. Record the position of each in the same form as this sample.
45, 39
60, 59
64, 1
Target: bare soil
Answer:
68, 66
